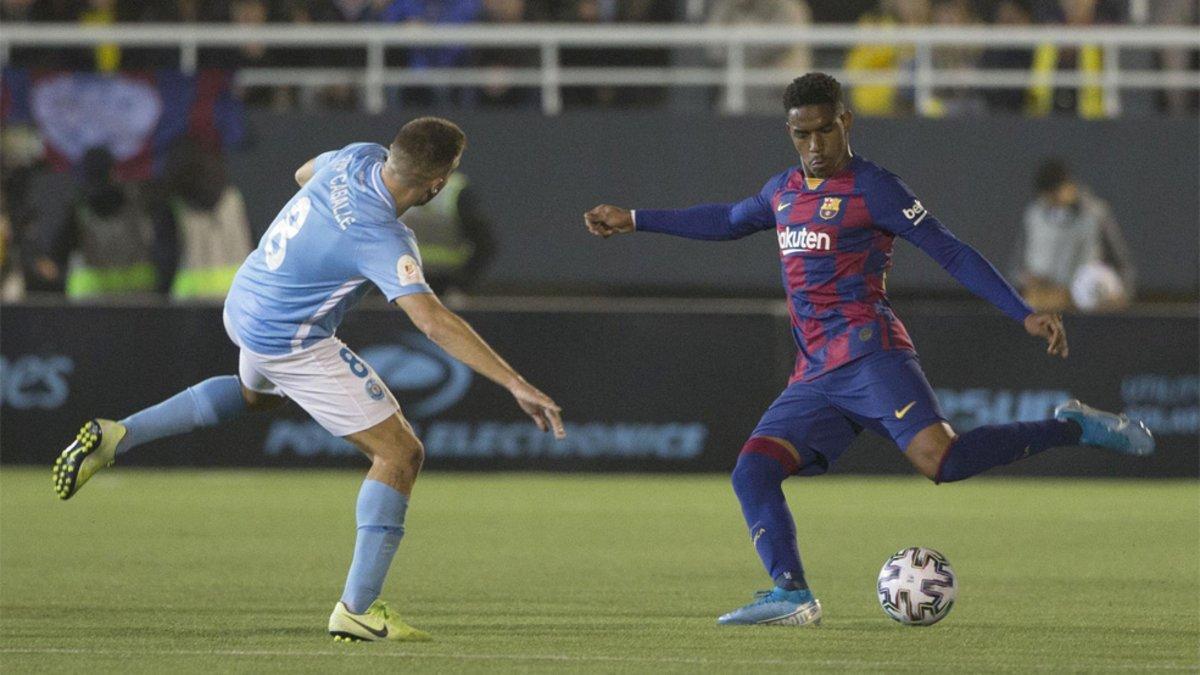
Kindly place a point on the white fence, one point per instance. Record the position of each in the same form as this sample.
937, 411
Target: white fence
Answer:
550, 39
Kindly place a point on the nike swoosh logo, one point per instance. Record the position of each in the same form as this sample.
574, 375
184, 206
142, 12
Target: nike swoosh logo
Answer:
781, 207
379, 634
904, 411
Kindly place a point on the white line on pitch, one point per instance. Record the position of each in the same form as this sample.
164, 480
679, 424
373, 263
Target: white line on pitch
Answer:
350, 651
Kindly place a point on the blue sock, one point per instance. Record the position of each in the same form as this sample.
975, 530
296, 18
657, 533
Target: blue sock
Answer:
998, 444
758, 481
207, 404
380, 514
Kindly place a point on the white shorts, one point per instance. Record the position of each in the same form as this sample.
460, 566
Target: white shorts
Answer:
332, 383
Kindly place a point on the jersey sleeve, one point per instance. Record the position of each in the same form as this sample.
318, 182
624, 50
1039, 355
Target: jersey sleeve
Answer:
352, 150
322, 160
714, 222
394, 265
755, 214
894, 208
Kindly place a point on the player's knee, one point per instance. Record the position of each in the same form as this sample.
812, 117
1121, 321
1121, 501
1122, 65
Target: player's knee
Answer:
928, 449
406, 451
754, 472
929, 469
415, 453
927, 459
742, 477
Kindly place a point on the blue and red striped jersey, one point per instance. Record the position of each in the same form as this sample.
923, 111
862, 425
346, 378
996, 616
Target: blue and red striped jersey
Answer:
835, 248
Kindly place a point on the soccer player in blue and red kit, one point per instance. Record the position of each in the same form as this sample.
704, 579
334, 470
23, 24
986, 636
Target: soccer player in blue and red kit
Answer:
836, 216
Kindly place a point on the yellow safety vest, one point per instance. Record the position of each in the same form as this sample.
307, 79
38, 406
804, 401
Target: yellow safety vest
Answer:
213, 245
438, 229
113, 255
1090, 97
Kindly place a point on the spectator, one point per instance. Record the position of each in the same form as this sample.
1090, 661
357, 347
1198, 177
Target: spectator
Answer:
1008, 13
103, 13
1177, 13
46, 11
607, 12
202, 234
954, 101
333, 11
796, 59
104, 240
33, 205
345, 95
163, 56
445, 12
1072, 252
455, 237
1087, 60
10, 282
886, 99
1058, 11
21, 166
499, 61
248, 55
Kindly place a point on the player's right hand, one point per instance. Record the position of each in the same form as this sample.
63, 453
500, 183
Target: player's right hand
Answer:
541, 408
606, 220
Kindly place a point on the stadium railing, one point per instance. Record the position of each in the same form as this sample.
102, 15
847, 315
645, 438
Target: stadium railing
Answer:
733, 74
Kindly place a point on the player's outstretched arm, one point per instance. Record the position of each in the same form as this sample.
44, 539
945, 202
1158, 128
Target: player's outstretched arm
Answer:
896, 210
450, 332
708, 222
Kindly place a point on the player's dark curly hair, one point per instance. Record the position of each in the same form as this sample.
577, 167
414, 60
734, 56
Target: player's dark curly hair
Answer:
1050, 175
813, 89
427, 146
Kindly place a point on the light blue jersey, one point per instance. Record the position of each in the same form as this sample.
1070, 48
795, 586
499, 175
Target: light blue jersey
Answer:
337, 233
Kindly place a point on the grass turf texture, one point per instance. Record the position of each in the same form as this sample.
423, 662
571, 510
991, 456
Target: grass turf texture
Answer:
156, 571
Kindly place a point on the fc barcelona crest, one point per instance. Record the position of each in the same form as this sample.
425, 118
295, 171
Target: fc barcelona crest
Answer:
830, 207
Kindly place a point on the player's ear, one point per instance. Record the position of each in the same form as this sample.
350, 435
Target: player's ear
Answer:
847, 118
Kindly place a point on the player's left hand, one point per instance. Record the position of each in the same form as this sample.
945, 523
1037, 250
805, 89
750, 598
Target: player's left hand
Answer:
541, 408
1049, 326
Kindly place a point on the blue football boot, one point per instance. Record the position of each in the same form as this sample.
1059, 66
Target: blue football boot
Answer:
777, 607
1108, 430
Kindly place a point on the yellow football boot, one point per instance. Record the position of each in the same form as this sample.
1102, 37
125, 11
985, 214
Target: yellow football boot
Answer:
377, 623
94, 447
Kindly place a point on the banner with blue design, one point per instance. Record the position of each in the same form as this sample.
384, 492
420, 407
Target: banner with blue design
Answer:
641, 391
136, 115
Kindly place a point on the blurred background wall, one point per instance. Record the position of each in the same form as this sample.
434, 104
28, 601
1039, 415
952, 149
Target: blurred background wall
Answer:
146, 146
536, 176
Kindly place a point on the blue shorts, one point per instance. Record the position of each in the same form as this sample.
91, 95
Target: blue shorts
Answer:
885, 392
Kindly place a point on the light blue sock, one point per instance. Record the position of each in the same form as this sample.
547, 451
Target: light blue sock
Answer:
207, 404
380, 514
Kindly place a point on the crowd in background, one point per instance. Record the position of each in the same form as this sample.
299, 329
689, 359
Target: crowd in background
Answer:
87, 233
181, 234
1038, 98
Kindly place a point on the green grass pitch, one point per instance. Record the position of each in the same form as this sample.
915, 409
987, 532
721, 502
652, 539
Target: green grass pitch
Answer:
220, 571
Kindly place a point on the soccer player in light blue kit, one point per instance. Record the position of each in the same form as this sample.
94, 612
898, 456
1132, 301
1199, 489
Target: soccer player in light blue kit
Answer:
339, 234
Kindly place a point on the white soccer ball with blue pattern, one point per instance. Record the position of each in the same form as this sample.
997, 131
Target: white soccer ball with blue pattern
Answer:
917, 586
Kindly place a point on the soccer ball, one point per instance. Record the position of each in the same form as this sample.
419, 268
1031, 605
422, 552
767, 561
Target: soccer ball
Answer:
917, 586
